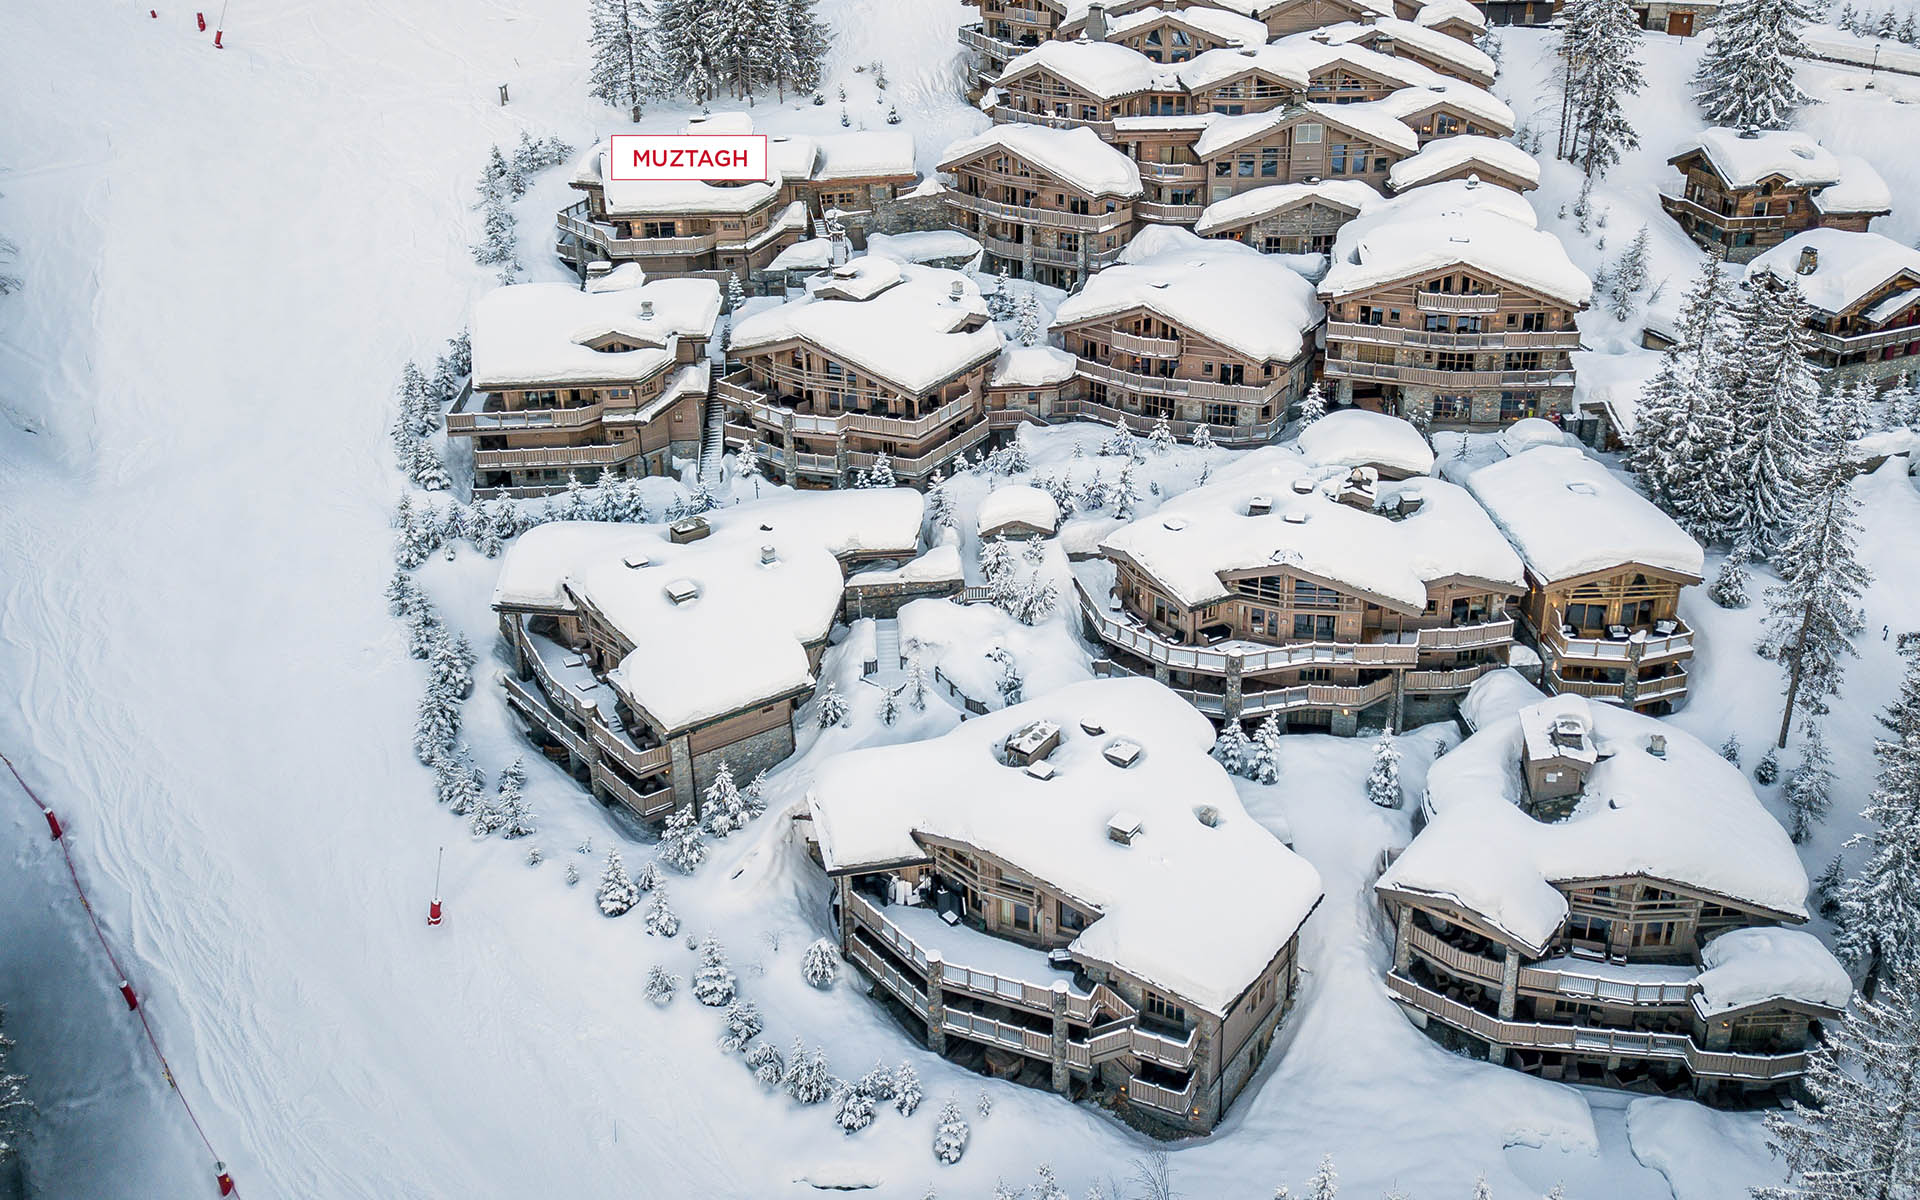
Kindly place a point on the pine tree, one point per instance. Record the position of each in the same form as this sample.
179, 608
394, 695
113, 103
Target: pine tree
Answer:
1880, 907
1046, 1187
661, 985
713, 984
1815, 610
1325, 1184
906, 1089
1027, 320
882, 473
1011, 685
1855, 1141
1202, 440
724, 809
1233, 749
1730, 749
1000, 300
623, 70
1126, 493
809, 38
743, 1024
458, 784
659, 916
1599, 52
1766, 772
830, 707
684, 65
1383, 782
1745, 79
617, 893
820, 964
1264, 766
764, 1060
807, 1080
1808, 789
1775, 394
1313, 405
1729, 587
682, 845
1120, 442
889, 706
649, 876
950, 1135
940, 514
1160, 438
1630, 277
437, 726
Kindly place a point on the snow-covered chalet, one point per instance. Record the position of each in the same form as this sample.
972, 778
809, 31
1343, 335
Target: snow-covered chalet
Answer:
1743, 191
1863, 295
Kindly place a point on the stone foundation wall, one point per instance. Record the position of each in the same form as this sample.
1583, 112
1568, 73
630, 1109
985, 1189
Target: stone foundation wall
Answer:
748, 757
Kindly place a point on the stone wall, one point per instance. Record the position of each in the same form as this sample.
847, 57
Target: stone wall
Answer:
748, 757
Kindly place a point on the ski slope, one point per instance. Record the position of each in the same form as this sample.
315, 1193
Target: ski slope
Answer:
229, 256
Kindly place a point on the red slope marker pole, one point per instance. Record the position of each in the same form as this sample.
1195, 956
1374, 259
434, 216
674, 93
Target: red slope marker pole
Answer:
433, 906
201, 18
224, 1177
53, 822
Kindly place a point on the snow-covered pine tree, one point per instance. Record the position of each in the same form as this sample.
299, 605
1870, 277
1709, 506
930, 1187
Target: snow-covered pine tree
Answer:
1684, 437
1093, 493
617, 893
1325, 1183
649, 876
685, 67
659, 916
1026, 312
807, 1080
1729, 587
906, 1089
830, 707
1313, 405
458, 784
820, 964
743, 1024
682, 845
1160, 438
1383, 781
764, 1060
1232, 748
889, 706
854, 1112
661, 985
807, 34
881, 474
1202, 440
1814, 612
1630, 276
1264, 765
623, 70
1037, 599
1776, 426
1011, 685
425, 468
1045, 1186
722, 803
1126, 493
940, 513
1000, 300
1745, 79
437, 724
1766, 772
1600, 65
950, 1135
1880, 907
499, 244
1855, 1141
1119, 443
1808, 792
1730, 749
1482, 1190
714, 984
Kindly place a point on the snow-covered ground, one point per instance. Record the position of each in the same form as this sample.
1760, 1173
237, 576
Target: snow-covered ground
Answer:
229, 256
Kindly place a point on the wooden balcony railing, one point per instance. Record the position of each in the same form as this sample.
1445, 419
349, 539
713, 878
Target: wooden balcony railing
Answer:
873, 964
1149, 347
1165, 1099
1678, 206
605, 238
1257, 433
1007, 114
1194, 389
1467, 637
1457, 302
1666, 687
1167, 214
1033, 216
740, 394
1457, 679
536, 457
1652, 646
1394, 335
534, 708
470, 424
1348, 368
1207, 660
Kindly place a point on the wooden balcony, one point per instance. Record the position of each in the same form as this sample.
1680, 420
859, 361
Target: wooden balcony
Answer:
1466, 637
921, 465
1596, 1042
1147, 1095
1861, 343
1149, 347
1680, 208
906, 990
607, 240
1257, 433
1184, 389
1457, 302
1615, 989
1167, 214
1614, 651
1007, 114
738, 393
1446, 381
553, 457
1258, 703
1394, 335
1458, 679
472, 424
1033, 216
1667, 687
1173, 172
648, 805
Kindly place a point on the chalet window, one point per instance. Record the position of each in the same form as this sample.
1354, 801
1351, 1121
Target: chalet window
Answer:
1220, 414
1317, 675
1451, 360
1246, 166
1527, 322
1233, 373
1269, 162
1311, 595
1435, 323
1337, 159
1319, 629
1451, 408
1466, 324
541, 399
1223, 169
1369, 315
1587, 616
1582, 928
1068, 241
1306, 132
1277, 245
1444, 124
1163, 1008
658, 229
1524, 360
1077, 205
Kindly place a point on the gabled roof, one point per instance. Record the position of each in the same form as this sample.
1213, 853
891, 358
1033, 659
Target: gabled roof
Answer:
544, 333
1359, 120
1076, 157
1216, 23
1443, 157
1569, 516
1849, 268
1435, 13
1244, 208
1475, 102
1216, 67
1104, 69
1230, 294
1748, 158
1419, 39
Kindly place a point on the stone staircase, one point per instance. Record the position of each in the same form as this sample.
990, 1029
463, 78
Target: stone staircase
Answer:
886, 644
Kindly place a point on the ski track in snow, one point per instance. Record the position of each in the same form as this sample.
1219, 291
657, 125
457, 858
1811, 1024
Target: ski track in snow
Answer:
230, 254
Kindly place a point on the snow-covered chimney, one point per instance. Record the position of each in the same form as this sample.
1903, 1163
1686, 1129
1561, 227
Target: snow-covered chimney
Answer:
1809, 260
769, 555
646, 310
958, 290
1096, 27
1657, 745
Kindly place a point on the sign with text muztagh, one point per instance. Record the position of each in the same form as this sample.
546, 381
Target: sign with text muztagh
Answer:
709, 157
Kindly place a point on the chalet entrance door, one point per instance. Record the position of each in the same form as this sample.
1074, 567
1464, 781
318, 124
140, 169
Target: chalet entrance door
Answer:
1680, 24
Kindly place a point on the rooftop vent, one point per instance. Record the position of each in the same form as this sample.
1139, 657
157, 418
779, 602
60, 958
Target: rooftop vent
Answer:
1123, 827
683, 591
1581, 487
1042, 771
1410, 503
846, 272
636, 561
1809, 260
1303, 487
1031, 743
1473, 179
692, 529
766, 529
1159, 283
1121, 752
1207, 815
957, 290
1259, 506
1173, 524
1568, 730
1657, 745
1092, 728
1750, 133
769, 555
646, 310
1294, 517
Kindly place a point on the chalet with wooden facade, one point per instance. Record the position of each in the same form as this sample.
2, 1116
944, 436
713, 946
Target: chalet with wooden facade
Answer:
1050, 205
645, 656
1599, 897
1604, 573
1431, 48
1288, 218
1195, 332
1863, 295
1070, 894
1175, 36
1313, 593
1448, 303
576, 382
689, 227
1299, 144
1742, 192
879, 361
1467, 157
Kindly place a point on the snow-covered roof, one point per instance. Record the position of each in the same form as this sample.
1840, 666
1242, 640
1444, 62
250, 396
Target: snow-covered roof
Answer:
1530, 432
1244, 208
1453, 223
1231, 28
1223, 291
1446, 48
1568, 516
1017, 504
1496, 696
1848, 267
1215, 66
864, 154
1201, 534
1688, 818
741, 639
923, 246
1476, 102
1159, 899
908, 327
790, 156
1744, 158
1316, 53
542, 333
1104, 69
1745, 967
1859, 190
1439, 12
1360, 437
1444, 155
940, 564
1032, 366
1074, 156
1377, 126
807, 254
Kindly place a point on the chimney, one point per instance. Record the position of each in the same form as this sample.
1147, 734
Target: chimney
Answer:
769, 555
1096, 26
1809, 260
646, 310
958, 290
1657, 745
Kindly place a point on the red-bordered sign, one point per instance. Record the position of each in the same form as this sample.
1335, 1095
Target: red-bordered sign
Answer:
709, 157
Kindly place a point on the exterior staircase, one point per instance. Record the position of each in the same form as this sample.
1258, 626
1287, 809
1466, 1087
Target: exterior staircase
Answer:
713, 442
886, 645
